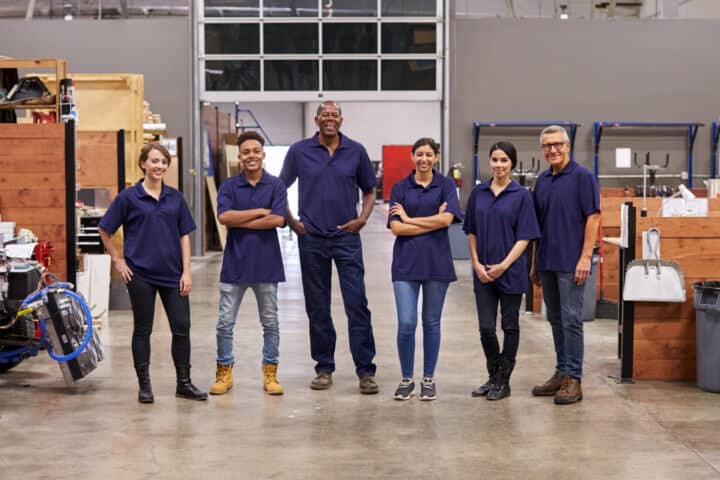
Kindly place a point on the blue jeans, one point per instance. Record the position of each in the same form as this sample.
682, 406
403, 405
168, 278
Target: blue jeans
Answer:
231, 294
406, 301
564, 302
316, 256
486, 299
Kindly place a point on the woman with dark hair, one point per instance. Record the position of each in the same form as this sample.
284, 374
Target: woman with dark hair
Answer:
422, 207
500, 222
156, 225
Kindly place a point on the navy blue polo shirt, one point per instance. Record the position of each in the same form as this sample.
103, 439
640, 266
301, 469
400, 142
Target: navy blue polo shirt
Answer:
498, 223
152, 230
252, 256
426, 256
328, 185
563, 202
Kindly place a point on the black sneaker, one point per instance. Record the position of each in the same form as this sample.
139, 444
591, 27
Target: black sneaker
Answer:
427, 390
483, 389
405, 390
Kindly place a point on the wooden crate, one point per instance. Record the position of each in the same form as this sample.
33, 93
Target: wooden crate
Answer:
33, 185
111, 102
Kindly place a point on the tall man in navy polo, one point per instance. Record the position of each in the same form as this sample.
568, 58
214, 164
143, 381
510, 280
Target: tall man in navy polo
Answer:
330, 167
567, 203
252, 205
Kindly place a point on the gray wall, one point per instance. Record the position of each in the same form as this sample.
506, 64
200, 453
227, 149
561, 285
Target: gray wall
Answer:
537, 69
157, 48
282, 121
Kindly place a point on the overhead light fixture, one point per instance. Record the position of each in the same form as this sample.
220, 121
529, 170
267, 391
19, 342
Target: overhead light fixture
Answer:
563, 12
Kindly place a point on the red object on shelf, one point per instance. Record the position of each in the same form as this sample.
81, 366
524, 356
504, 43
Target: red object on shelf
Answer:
42, 117
397, 164
43, 252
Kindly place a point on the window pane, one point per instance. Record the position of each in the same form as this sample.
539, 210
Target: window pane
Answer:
232, 75
350, 8
349, 75
291, 75
409, 8
349, 37
291, 38
232, 38
290, 8
232, 8
408, 74
408, 37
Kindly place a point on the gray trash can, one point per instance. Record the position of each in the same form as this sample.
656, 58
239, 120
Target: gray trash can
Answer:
707, 316
589, 297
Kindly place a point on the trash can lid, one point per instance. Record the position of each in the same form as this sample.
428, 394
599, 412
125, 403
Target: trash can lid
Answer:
708, 284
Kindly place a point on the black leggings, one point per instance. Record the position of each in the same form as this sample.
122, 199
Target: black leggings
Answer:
487, 298
177, 308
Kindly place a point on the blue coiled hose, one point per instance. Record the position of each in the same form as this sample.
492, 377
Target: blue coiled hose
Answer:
64, 287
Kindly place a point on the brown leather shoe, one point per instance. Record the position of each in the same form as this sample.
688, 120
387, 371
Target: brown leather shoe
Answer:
549, 388
368, 385
322, 381
570, 392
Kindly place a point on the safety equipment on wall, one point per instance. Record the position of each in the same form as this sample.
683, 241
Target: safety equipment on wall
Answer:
456, 174
654, 280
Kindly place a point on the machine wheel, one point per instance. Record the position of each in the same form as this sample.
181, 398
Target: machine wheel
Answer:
4, 367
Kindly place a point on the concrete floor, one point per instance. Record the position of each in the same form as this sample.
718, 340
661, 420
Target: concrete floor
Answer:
97, 430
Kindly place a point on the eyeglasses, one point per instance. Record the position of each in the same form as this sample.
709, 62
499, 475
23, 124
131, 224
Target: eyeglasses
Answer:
549, 146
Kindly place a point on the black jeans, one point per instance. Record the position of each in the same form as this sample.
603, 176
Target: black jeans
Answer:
486, 299
177, 308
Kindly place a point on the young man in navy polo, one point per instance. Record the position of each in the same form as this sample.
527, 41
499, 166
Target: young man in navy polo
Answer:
330, 167
567, 203
252, 205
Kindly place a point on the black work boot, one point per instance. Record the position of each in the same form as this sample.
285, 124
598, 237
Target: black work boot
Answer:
145, 394
492, 367
185, 388
501, 388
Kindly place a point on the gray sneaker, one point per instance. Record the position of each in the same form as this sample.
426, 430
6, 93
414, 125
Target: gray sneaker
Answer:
322, 381
405, 390
427, 390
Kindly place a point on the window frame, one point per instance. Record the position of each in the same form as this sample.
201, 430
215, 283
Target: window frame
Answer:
313, 95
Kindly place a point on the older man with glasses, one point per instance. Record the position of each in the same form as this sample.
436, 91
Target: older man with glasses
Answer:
567, 203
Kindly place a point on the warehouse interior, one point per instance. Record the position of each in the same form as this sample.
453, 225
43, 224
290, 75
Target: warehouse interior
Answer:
632, 81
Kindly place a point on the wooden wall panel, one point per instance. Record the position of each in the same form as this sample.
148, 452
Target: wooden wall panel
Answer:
665, 332
655, 369
32, 184
97, 161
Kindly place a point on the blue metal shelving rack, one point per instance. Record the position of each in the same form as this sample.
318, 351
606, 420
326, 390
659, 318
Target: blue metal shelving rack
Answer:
243, 127
570, 126
692, 129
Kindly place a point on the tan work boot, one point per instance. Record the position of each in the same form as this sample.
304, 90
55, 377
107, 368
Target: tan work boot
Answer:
570, 392
549, 388
270, 383
223, 380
